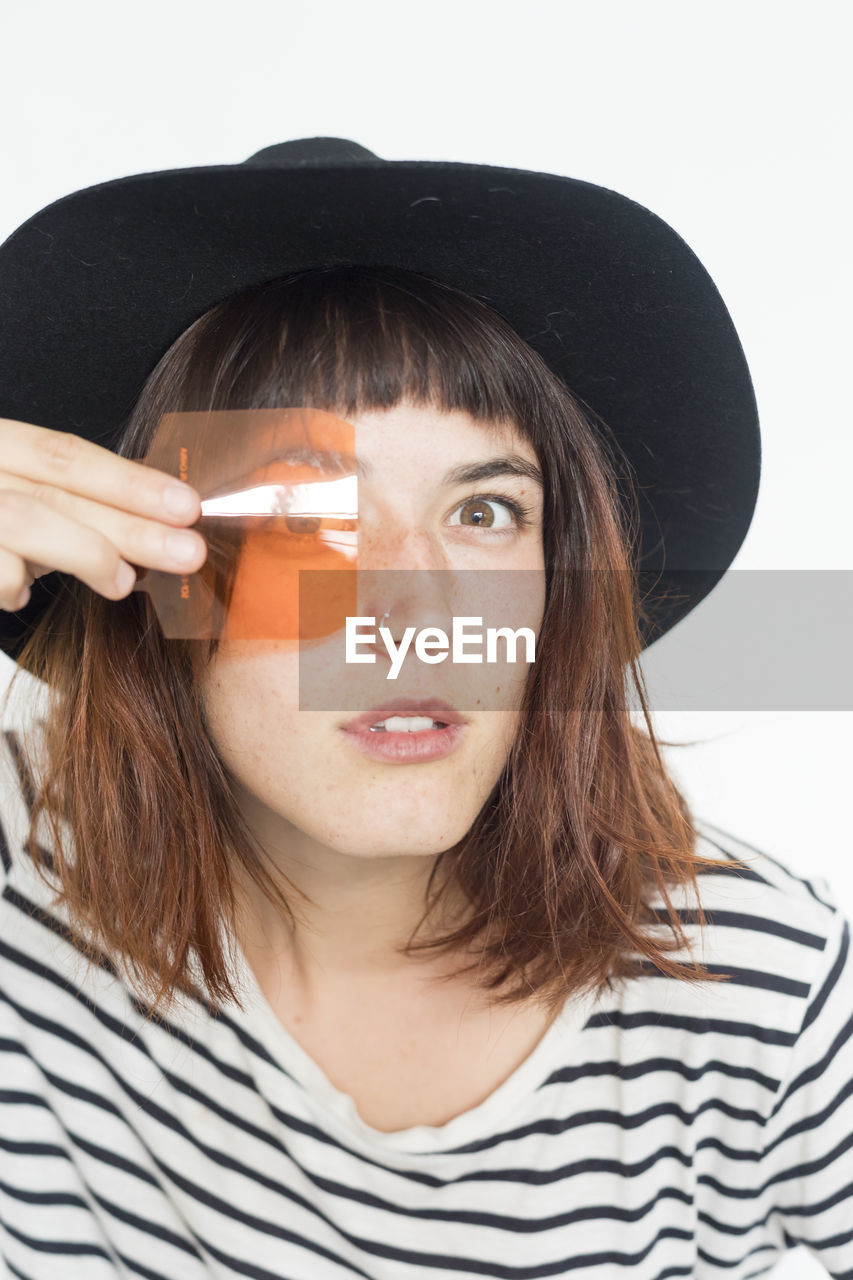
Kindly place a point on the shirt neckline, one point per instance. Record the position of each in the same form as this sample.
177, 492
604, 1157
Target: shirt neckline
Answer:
339, 1112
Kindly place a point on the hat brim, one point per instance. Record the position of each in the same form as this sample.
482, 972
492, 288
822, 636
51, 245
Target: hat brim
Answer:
98, 285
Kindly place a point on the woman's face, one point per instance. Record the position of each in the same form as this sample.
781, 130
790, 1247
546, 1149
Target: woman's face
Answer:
300, 773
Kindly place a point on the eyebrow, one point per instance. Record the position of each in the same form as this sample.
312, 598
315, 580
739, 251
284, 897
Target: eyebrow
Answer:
511, 464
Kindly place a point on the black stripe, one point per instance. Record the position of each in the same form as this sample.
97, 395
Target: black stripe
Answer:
822, 1163
651, 1066
134, 1265
780, 866
832, 979
27, 790
843, 1196
789, 874
737, 873
72, 1247
5, 855
728, 1228
13, 1270
762, 1271
714, 916
738, 976
20, 762
44, 1197
145, 1226
728, 1263
699, 1026
16, 1096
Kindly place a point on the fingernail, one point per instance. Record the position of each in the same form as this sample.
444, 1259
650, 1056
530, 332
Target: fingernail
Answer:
182, 546
178, 500
125, 578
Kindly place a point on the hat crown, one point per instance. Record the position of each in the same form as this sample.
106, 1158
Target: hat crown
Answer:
604, 291
307, 151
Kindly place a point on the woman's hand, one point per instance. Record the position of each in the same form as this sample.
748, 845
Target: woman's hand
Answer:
69, 504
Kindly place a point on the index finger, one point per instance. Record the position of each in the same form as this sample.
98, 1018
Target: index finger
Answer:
71, 462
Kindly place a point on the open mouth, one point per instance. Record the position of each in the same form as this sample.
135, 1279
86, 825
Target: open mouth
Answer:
407, 724
406, 715
407, 731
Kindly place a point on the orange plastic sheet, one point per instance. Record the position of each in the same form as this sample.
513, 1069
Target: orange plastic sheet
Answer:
279, 495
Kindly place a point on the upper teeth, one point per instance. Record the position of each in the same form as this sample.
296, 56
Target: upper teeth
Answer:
405, 724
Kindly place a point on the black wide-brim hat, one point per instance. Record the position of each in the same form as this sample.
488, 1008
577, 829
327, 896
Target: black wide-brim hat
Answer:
97, 286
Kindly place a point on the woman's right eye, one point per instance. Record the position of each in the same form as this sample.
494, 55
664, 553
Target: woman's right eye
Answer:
303, 525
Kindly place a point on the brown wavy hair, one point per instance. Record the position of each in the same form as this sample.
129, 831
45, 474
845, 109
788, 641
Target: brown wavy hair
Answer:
584, 822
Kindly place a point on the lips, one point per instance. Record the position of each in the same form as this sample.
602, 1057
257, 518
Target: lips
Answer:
435, 708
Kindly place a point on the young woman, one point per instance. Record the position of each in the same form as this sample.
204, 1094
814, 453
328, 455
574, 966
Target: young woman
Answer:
280, 996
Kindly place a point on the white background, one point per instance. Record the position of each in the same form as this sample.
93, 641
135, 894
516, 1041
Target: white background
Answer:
729, 118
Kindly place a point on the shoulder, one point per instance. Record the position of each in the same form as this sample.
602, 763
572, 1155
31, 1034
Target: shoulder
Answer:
777, 875
775, 941
774, 925
784, 934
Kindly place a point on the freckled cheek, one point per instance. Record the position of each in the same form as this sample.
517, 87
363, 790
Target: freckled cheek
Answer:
497, 730
249, 706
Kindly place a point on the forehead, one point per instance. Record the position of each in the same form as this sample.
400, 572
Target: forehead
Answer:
431, 445
439, 448
434, 432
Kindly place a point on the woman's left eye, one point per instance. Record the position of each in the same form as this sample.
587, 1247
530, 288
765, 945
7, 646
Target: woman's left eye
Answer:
488, 513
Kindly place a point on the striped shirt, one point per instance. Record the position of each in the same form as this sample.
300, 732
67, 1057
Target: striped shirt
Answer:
661, 1130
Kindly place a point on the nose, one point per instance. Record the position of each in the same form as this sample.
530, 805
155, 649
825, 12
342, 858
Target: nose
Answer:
399, 572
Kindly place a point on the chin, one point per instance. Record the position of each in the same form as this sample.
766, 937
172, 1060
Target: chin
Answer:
396, 839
